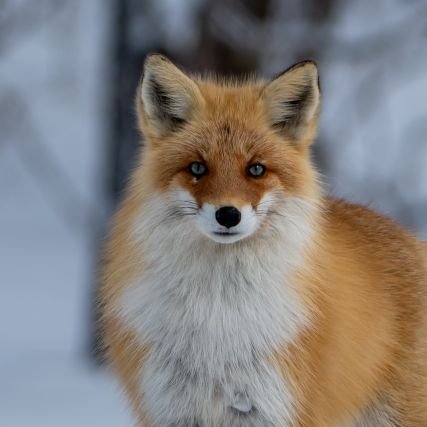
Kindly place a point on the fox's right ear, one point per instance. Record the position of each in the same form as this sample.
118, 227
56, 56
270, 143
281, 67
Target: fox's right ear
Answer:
166, 97
292, 102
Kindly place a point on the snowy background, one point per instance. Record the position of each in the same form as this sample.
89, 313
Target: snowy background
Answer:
67, 75
53, 108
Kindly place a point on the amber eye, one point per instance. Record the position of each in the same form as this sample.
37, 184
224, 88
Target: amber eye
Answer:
197, 169
256, 170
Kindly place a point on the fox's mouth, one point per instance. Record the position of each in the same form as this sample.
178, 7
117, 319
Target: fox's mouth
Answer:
226, 236
225, 233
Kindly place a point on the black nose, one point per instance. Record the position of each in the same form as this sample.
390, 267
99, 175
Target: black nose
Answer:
228, 216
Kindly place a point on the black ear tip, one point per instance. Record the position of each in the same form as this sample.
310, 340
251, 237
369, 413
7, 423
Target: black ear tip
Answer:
156, 57
308, 63
313, 65
309, 66
153, 59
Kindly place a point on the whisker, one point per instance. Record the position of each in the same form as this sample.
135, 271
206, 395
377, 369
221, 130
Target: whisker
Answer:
274, 212
184, 209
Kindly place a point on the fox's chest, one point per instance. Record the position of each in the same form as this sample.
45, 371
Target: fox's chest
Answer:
212, 384
212, 341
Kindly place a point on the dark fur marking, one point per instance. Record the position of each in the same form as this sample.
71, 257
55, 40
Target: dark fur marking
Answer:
159, 96
163, 101
182, 373
295, 109
241, 414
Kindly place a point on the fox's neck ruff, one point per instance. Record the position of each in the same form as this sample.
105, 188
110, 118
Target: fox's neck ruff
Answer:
180, 263
214, 314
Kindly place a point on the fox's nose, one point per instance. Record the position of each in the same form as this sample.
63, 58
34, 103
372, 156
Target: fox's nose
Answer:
228, 216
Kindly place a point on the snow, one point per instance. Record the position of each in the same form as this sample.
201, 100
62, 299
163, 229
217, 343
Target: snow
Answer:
54, 79
56, 390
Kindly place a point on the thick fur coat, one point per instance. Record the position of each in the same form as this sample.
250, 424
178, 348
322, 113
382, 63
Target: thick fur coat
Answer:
296, 310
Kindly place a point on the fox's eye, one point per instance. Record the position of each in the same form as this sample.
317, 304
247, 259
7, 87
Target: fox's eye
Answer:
256, 170
197, 169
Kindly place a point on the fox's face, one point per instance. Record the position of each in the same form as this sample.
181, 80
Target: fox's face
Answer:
231, 158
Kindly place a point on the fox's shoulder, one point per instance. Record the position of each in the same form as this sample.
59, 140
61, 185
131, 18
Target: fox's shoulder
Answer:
361, 219
369, 231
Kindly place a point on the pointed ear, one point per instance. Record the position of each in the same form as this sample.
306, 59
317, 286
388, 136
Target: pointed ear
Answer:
292, 101
166, 97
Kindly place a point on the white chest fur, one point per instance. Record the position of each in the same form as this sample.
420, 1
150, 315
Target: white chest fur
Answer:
212, 316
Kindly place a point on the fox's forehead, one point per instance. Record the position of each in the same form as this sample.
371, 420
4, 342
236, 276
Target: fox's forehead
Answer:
225, 137
232, 100
231, 120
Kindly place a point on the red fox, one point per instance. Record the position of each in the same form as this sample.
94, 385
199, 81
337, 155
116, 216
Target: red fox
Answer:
234, 292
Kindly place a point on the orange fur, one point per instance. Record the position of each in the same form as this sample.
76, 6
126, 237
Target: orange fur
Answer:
364, 278
369, 288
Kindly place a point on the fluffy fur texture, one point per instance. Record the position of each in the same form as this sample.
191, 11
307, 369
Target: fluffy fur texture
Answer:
308, 312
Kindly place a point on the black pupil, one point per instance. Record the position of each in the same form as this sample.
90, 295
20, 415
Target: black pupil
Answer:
197, 169
256, 170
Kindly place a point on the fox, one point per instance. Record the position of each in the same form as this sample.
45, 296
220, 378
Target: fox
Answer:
235, 291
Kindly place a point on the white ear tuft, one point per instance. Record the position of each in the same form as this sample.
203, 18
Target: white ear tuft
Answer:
292, 101
167, 96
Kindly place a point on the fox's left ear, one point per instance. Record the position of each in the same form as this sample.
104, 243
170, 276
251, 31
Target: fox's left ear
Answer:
166, 98
292, 102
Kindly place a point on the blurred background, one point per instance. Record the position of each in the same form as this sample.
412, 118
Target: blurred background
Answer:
68, 139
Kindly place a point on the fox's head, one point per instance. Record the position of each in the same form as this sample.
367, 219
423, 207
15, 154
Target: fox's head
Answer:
228, 158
